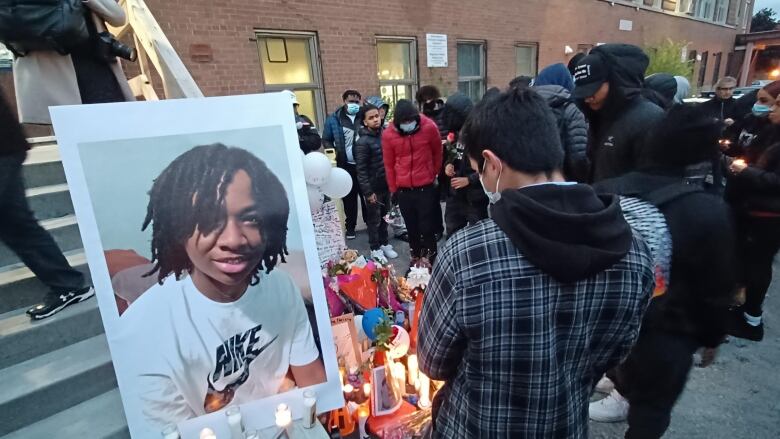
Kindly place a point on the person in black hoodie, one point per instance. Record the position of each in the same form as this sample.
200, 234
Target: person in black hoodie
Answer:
753, 189
466, 203
723, 106
20, 231
373, 183
528, 309
693, 310
608, 89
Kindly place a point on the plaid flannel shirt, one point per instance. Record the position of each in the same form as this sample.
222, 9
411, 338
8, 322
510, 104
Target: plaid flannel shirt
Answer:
519, 351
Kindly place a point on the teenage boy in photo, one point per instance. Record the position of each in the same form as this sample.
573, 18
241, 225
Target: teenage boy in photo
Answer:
222, 326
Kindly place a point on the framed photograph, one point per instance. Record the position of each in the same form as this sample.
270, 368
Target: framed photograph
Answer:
346, 340
200, 243
385, 396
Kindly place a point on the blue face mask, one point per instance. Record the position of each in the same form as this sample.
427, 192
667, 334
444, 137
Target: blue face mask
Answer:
408, 127
352, 108
761, 110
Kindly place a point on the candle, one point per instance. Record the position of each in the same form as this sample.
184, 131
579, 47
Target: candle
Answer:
170, 432
283, 416
425, 389
234, 422
411, 361
362, 418
367, 389
740, 162
207, 433
399, 373
348, 389
309, 409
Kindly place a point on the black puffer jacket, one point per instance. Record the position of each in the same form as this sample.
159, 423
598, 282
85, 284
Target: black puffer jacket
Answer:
574, 131
618, 130
456, 110
369, 163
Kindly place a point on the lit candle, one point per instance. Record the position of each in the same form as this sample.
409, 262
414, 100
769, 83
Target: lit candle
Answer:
740, 162
309, 409
283, 416
170, 432
399, 372
207, 433
411, 361
348, 389
362, 418
425, 389
234, 422
367, 389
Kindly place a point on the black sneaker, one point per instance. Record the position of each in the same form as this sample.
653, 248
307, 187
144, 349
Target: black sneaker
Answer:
55, 302
740, 328
351, 234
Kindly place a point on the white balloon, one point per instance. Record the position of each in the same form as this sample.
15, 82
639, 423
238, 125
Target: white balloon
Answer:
315, 198
361, 333
316, 168
399, 346
338, 185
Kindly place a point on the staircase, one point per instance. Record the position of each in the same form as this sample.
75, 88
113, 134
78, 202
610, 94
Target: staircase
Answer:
56, 374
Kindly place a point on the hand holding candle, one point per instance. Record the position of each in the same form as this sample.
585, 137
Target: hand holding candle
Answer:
738, 166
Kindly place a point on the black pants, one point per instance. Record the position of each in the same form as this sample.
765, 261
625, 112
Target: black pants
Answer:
461, 212
351, 200
759, 241
377, 227
652, 378
419, 209
20, 231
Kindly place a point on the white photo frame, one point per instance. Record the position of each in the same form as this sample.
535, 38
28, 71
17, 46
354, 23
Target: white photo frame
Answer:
129, 133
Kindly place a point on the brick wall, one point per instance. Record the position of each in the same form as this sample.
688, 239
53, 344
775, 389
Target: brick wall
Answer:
346, 33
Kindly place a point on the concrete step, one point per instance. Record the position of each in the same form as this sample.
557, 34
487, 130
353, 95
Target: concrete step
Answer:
101, 417
48, 384
64, 230
50, 201
20, 288
22, 338
43, 166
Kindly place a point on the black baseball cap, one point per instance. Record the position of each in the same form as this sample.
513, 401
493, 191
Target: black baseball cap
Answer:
589, 74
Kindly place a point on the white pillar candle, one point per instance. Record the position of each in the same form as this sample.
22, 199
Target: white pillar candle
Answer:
309, 409
362, 418
400, 376
170, 432
234, 422
207, 433
425, 389
414, 370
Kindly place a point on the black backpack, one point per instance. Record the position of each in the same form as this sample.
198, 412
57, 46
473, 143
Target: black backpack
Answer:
28, 25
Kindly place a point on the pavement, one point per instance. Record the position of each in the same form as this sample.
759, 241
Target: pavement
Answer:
737, 397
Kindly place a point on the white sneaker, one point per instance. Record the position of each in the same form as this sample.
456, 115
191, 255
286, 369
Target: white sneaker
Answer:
388, 251
613, 408
605, 385
379, 256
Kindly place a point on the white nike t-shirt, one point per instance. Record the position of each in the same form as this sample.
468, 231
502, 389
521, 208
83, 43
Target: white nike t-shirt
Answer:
181, 346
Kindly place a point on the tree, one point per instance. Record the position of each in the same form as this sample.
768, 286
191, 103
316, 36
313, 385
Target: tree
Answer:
763, 20
667, 57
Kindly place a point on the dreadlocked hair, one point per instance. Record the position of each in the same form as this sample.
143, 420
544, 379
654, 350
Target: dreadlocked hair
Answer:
189, 195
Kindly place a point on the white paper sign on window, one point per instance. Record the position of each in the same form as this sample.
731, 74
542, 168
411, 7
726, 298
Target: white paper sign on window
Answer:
437, 49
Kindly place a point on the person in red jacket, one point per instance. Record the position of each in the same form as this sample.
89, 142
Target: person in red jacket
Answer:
411, 147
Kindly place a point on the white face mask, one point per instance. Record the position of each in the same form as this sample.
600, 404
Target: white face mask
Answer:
408, 127
493, 197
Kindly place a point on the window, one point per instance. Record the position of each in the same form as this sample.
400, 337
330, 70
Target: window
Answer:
525, 59
716, 68
702, 69
685, 6
471, 69
396, 68
721, 11
289, 62
705, 9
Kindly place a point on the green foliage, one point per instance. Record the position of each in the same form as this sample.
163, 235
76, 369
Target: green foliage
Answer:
763, 20
667, 58
384, 331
